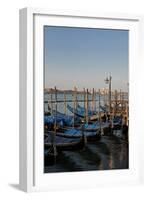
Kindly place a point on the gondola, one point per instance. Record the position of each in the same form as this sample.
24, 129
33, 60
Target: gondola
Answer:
50, 120
54, 144
83, 110
88, 127
81, 114
76, 133
62, 143
66, 119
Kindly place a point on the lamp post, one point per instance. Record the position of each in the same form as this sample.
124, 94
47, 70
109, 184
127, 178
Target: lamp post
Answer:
108, 81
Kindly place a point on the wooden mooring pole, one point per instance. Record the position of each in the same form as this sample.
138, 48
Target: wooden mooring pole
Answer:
100, 119
93, 100
51, 105
55, 125
87, 106
65, 104
53, 134
74, 105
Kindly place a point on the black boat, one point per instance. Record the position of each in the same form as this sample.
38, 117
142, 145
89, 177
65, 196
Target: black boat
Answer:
81, 114
53, 139
76, 133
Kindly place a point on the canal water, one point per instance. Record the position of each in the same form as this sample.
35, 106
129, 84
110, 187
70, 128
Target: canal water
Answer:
111, 152
108, 153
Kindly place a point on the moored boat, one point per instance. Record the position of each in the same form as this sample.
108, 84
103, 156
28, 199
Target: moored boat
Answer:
62, 143
81, 114
76, 133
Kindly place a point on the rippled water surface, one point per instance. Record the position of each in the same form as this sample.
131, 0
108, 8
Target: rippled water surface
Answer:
108, 153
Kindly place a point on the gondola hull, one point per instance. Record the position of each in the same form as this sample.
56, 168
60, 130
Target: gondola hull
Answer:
90, 136
64, 144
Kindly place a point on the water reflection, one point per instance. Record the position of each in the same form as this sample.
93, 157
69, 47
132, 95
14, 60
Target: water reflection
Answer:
108, 153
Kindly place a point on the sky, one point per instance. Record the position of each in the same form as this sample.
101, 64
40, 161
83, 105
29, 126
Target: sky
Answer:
84, 57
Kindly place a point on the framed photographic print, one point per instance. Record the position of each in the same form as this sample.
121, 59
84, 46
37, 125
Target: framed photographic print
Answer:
79, 112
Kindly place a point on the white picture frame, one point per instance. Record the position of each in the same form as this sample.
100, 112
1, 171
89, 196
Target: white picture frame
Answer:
31, 175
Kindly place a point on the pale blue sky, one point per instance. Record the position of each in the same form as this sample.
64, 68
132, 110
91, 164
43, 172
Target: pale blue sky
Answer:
84, 57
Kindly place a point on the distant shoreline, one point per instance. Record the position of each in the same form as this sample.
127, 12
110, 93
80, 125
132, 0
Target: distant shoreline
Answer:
102, 91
